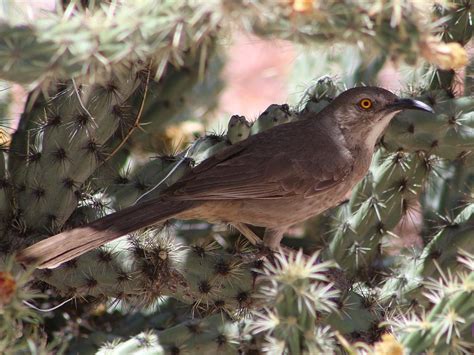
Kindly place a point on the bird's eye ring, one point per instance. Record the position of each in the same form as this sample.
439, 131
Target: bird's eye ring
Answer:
365, 104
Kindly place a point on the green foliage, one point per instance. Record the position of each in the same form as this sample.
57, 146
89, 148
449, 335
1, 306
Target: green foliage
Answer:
106, 82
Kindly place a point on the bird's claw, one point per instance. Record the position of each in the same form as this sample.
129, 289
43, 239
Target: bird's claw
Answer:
262, 252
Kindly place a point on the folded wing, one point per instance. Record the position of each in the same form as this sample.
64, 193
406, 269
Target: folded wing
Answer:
268, 166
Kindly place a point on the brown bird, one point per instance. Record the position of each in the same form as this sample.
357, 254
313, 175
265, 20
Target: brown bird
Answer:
273, 179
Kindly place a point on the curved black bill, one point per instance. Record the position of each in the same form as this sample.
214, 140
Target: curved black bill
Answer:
410, 104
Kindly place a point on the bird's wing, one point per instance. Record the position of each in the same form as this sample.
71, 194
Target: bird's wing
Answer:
253, 170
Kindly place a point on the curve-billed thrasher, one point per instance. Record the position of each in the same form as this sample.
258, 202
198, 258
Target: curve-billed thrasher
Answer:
273, 179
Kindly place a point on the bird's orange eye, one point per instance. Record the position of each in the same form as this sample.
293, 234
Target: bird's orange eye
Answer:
365, 104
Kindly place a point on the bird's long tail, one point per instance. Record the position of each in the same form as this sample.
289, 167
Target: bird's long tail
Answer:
62, 247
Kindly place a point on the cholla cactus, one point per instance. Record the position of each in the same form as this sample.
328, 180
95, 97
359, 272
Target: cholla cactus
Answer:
214, 334
104, 85
446, 327
296, 293
18, 322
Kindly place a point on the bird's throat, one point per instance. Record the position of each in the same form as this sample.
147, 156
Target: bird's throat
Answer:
365, 137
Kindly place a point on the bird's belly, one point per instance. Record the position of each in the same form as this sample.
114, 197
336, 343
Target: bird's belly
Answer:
284, 212
269, 213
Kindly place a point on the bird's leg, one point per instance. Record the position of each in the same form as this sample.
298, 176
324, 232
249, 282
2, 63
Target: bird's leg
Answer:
254, 239
248, 233
270, 243
273, 237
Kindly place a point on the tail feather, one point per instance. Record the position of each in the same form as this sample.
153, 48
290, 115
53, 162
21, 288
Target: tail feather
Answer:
53, 251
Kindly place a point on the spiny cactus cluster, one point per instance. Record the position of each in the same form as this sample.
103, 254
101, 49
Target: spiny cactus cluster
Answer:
293, 281
153, 266
105, 83
18, 322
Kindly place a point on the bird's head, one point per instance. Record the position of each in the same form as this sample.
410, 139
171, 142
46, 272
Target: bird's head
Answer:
363, 113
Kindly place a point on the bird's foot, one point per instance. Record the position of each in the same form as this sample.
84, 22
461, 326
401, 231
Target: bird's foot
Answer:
261, 252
